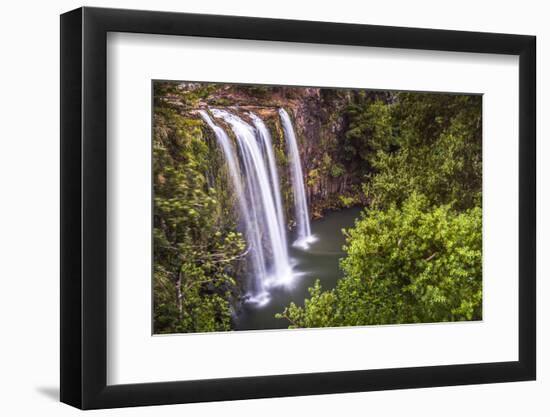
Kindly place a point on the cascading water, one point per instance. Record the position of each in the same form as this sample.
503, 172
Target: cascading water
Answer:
258, 272
267, 144
303, 236
264, 219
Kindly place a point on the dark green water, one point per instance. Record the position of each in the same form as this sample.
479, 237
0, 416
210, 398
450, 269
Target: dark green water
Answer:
320, 261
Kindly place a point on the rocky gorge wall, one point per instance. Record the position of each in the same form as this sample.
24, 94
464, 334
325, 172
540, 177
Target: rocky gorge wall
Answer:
319, 120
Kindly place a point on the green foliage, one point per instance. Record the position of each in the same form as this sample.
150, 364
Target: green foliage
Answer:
415, 161
412, 264
435, 150
174, 95
260, 91
415, 255
221, 101
347, 201
337, 170
318, 310
196, 251
370, 129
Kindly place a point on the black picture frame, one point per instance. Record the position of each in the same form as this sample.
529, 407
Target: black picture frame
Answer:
84, 207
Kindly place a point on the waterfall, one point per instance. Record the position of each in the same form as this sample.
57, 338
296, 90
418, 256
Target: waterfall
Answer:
301, 213
267, 144
257, 283
258, 192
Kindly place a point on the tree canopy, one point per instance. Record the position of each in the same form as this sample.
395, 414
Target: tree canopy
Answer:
413, 161
414, 264
415, 254
196, 246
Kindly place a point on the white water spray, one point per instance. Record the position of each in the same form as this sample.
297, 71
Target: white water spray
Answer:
260, 206
267, 144
303, 236
258, 272
254, 175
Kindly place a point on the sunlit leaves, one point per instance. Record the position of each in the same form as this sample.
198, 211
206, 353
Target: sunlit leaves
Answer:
435, 150
411, 264
196, 250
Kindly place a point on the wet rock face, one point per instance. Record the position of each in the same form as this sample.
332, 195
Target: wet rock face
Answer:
319, 122
321, 126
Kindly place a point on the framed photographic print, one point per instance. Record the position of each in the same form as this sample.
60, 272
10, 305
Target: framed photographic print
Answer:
256, 208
